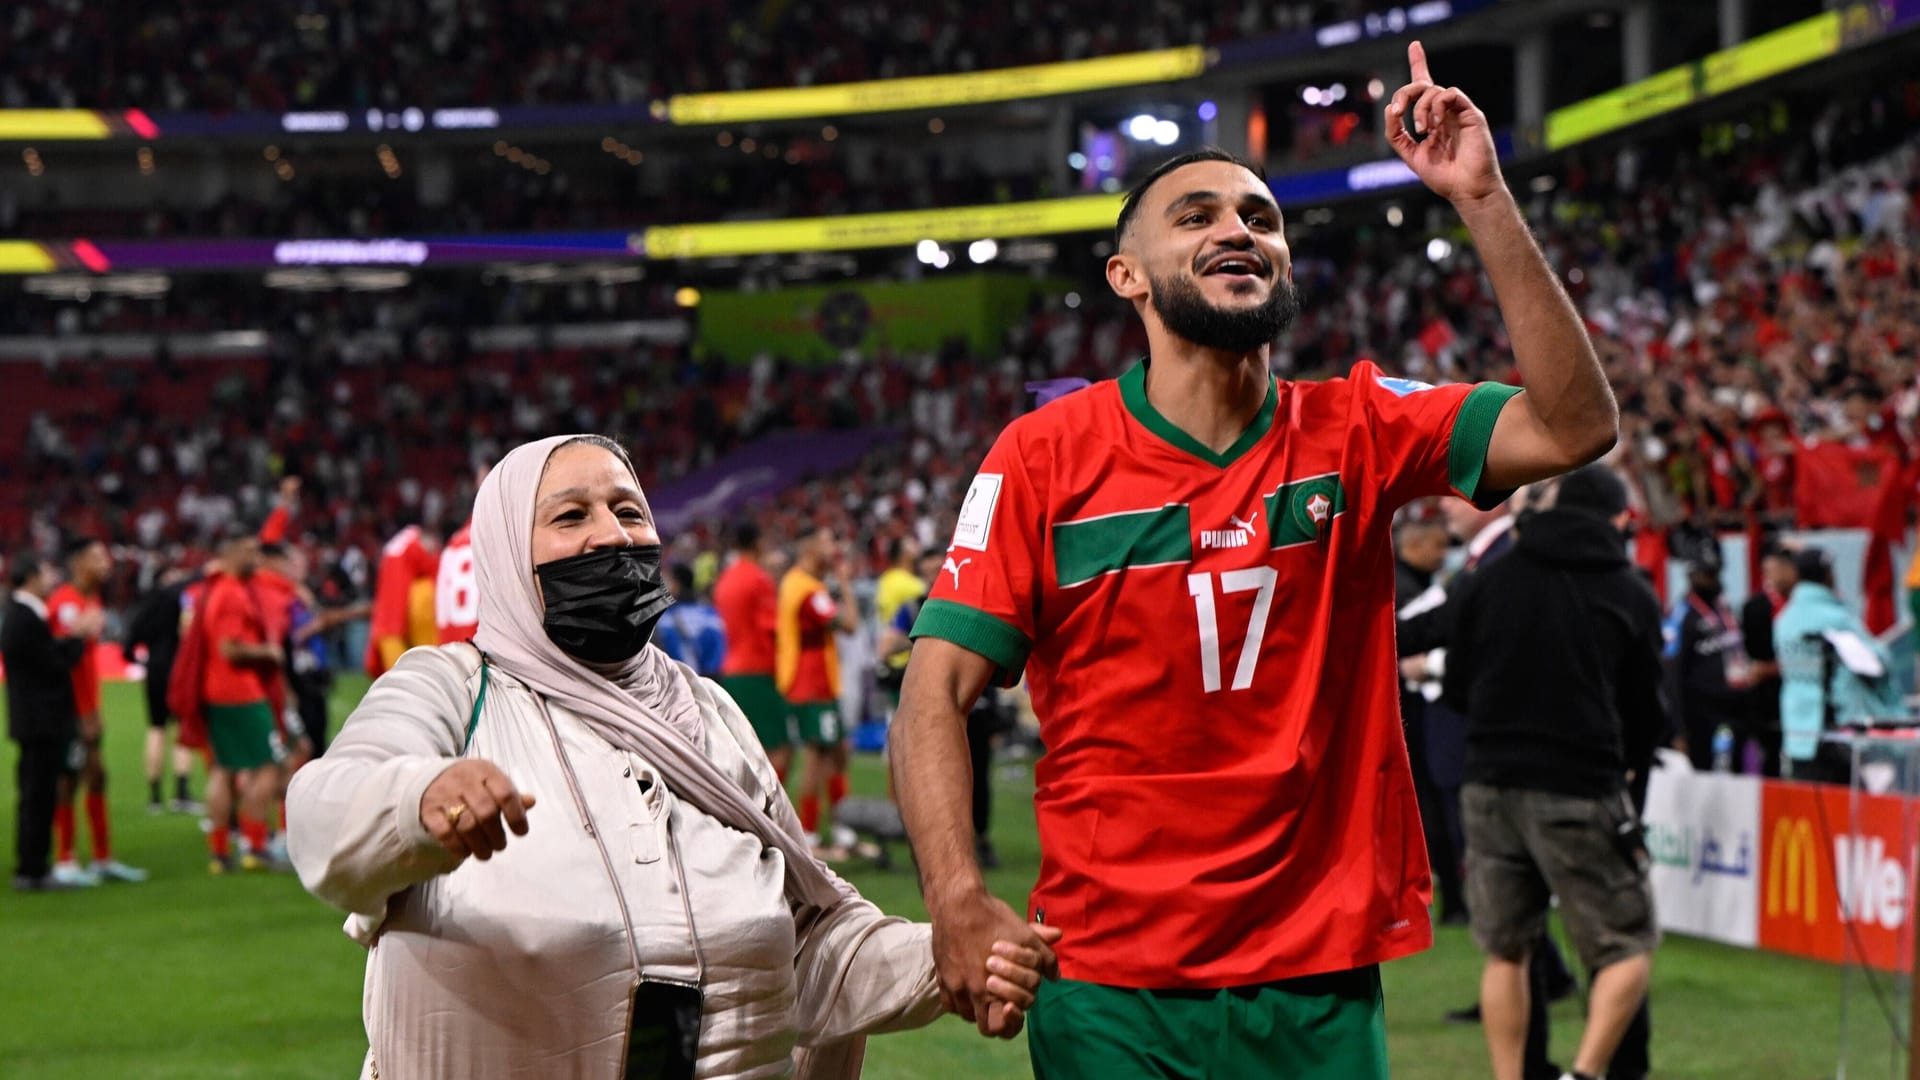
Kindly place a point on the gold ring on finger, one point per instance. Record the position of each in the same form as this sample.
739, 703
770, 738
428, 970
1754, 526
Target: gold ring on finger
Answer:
453, 813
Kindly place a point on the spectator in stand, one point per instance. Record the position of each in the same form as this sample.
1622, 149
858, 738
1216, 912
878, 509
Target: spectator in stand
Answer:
153, 636
1708, 663
1778, 575
1554, 658
41, 716
808, 668
691, 631
1832, 673
77, 613
745, 599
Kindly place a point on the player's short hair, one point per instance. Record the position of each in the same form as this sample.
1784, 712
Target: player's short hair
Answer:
746, 536
75, 546
682, 575
23, 567
1814, 565
273, 549
1131, 204
896, 547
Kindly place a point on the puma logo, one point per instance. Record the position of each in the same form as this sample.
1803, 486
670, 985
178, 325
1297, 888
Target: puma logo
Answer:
954, 568
1239, 536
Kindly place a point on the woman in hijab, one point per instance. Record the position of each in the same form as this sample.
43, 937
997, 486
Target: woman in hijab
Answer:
662, 916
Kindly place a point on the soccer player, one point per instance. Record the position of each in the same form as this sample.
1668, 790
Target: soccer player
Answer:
155, 627
1193, 565
745, 597
456, 586
807, 667
403, 601
241, 657
76, 611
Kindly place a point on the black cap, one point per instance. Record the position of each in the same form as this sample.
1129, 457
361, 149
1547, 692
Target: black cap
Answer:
1593, 488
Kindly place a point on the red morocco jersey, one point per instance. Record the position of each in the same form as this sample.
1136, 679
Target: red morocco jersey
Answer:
1209, 641
66, 604
456, 592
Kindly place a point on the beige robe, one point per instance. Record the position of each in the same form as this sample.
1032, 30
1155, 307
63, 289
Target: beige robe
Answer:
520, 966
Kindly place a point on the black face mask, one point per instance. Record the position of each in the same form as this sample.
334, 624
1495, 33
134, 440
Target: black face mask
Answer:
602, 606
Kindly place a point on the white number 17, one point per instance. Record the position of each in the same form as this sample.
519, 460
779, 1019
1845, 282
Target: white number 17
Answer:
1232, 581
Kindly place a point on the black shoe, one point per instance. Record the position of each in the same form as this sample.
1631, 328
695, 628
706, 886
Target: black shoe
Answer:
43, 883
988, 858
1468, 1015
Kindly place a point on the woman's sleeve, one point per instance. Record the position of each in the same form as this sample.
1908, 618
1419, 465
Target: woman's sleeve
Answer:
353, 815
859, 972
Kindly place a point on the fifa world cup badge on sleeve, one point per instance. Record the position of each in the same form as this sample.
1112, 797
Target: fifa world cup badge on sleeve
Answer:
976, 513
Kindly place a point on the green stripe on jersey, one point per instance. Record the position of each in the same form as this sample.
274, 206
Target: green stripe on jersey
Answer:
1472, 434
1085, 549
1298, 511
970, 628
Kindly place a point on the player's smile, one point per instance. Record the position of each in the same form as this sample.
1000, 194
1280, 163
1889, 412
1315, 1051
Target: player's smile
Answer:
1242, 271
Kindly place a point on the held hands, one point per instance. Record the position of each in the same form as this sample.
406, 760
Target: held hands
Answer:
1454, 155
990, 961
470, 806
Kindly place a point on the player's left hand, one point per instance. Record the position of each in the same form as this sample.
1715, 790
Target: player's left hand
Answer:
1455, 158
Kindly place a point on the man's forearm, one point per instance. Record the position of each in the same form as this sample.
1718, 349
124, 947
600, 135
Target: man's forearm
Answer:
933, 784
1564, 380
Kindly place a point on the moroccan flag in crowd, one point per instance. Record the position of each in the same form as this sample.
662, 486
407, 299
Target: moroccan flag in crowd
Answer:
1840, 487
1843, 487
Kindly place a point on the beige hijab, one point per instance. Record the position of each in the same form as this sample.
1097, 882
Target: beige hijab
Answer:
645, 705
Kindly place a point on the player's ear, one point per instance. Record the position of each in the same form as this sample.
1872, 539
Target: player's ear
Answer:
1126, 277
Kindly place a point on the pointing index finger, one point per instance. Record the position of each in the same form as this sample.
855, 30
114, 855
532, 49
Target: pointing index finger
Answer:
1417, 60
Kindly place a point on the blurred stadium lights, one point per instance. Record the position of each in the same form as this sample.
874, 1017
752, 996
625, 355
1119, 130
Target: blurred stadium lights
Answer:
1396, 217
927, 251
1439, 249
1141, 128
1076, 160
1072, 300
81, 286
1166, 133
687, 296
1207, 111
981, 252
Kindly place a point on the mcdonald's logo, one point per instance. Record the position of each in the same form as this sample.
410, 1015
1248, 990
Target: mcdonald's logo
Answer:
1793, 877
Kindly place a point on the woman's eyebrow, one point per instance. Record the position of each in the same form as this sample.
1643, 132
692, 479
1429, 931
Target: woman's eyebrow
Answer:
572, 494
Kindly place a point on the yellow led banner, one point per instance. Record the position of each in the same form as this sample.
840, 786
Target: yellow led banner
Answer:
52, 124
1770, 54
1620, 107
1729, 69
939, 91
24, 257
1084, 214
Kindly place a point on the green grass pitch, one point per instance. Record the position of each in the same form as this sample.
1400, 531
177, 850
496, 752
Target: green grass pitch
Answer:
189, 977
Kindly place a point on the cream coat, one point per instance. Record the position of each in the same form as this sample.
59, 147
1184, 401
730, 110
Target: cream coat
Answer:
520, 966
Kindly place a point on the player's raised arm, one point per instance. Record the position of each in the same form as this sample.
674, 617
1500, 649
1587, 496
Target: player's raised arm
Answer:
1567, 415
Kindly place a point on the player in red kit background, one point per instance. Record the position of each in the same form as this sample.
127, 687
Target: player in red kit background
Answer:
75, 611
456, 586
403, 605
1193, 566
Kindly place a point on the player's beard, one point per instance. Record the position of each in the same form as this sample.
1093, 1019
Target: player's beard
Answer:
1183, 310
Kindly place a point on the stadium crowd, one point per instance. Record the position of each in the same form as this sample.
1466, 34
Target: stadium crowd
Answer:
66, 54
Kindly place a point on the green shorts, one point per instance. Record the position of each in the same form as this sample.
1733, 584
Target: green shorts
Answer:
817, 722
242, 735
766, 710
1323, 1027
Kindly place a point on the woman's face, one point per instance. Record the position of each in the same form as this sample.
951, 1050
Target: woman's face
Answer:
587, 501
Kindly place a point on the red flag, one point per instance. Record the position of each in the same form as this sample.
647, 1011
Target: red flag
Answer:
1839, 487
1889, 528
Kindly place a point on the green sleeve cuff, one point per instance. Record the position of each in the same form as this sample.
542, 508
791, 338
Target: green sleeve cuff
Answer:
1472, 434
976, 631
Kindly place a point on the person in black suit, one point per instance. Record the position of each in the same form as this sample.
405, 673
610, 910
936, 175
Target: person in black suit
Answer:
41, 715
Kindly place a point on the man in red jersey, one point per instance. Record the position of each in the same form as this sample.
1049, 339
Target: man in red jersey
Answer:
403, 606
76, 612
745, 597
1193, 564
243, 664
456, 586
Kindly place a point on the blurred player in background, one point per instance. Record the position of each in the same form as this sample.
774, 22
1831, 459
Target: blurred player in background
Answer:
456, 587
403, 598
691, 631
155, 631
808, 666
901, 583
1195, 561
76, 613
241, 657
746, 600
